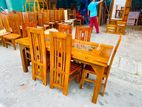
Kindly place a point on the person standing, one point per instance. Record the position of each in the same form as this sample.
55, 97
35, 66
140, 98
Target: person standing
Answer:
93, 14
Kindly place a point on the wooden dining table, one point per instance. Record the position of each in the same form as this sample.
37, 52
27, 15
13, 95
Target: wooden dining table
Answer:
94, 54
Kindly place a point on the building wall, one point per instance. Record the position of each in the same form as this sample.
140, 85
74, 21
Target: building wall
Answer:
3, 4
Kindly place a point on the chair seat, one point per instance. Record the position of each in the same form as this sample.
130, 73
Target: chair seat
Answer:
12, 36
74, 67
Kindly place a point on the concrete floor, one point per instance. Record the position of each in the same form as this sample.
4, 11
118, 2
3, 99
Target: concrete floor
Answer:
124, 89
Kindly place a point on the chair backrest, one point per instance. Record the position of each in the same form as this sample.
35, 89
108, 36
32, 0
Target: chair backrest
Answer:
46, 17
14, 22
32, 17
40, 18
5, 22
114, 53
20, 17
65, 28
61, 14
56, 15
25, 26
83, 33
38, 53
25, 17
52, 15
1, 24
60, 56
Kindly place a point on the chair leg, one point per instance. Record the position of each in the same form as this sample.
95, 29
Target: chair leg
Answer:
44, 81
4, 43
66, 84
104, 87
82, 79
14, 45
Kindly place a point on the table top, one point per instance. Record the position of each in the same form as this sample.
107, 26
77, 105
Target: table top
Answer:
87, 52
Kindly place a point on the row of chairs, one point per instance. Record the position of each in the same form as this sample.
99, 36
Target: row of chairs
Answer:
14, 22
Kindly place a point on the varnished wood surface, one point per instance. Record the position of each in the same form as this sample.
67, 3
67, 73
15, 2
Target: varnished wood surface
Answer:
97, 59
81, 54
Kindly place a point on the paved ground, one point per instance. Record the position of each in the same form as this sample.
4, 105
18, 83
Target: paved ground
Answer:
124, 89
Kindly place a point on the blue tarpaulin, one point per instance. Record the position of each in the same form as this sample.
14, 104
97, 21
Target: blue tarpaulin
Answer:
11, 5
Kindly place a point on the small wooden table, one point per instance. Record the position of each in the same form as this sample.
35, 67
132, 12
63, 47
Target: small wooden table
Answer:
90, 53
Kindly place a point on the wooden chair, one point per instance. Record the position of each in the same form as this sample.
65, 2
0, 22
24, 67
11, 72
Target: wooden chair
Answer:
61, 69
89, 70
121, 26
15, 26
56, 16
65, 28
111, 28
61, 15
32, 17
1, 24
46, 19
38, 54
25, 17
40, 19
25, 26
5, 22
25, 34
83, 33
52, 18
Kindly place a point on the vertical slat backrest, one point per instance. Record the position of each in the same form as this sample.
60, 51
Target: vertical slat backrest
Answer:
46, 17
20, 18
32, 17
25, 26
65, 28
52, 15
25, 17
1, 24
40, 18
60, 55
61, 14
38, 52
5, 22
56, 15
83, 33
14, 22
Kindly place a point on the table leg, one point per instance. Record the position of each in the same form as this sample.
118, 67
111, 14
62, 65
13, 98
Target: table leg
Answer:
99, 74
23, 58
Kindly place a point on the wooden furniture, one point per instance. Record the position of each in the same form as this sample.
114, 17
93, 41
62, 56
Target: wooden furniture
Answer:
25, 17
61, 69
61, 15
65, 28
32, 17
52, 18
5, 22
85, 56
89, 70
113, 26
40, 19
38, 54
25, 26
1, 24
121, 26
46, 19
83, 33
10, 38
25, 34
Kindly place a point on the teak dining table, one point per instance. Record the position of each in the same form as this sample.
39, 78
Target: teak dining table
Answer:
94, 54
